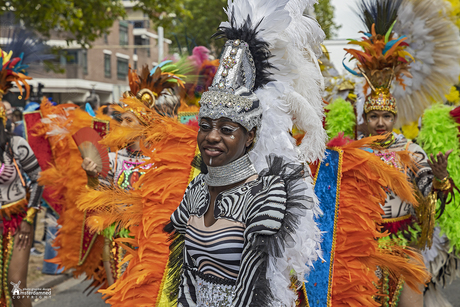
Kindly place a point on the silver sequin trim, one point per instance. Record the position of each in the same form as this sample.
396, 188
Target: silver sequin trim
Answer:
213, 295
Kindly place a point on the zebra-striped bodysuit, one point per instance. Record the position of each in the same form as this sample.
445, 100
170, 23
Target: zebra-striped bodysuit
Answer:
215, 250
221, 266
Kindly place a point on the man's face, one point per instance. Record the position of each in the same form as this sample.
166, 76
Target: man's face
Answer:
379, 122
9, 111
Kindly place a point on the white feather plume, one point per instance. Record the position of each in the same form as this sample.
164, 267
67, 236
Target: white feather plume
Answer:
434, 42
293, 98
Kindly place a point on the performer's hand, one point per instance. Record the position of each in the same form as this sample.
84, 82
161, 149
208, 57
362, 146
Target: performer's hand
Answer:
24, 236
438, 164
90, 167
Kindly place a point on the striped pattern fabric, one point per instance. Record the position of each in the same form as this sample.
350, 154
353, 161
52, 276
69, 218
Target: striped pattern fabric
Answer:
215, 250
224, 252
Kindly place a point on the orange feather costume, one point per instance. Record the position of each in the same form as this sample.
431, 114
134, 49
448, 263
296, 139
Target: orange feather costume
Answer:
171, 148
357, 252
68, 180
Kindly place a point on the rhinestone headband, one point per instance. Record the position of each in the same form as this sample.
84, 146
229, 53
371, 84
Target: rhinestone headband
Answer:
381, 100
230, 173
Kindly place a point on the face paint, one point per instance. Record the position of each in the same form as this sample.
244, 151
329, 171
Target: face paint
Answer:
210, 161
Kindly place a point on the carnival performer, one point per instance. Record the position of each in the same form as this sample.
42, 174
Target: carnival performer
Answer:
155, 91
260, 223
383, 59
17, 158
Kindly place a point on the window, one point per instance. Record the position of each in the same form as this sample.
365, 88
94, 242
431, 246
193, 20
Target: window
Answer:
84, 60
147, 45
72, 56
138, 24
124, 39
106, 38
135, 65
122, 68
107, 66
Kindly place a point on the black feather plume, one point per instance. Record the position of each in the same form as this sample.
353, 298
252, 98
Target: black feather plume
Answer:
258, 48
25, 42
381, 12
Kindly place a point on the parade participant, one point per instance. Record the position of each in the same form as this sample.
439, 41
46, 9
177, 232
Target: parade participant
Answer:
261, 223
16, 157
152, 90
383, 59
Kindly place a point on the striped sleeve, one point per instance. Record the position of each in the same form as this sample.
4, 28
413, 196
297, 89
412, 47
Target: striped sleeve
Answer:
424, 176
29, 165
263, 218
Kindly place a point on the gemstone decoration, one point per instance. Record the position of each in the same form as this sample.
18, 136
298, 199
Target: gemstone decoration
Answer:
229, 62
237, 42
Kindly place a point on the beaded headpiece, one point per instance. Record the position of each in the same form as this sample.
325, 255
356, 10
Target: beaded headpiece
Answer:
231, 94
383, 56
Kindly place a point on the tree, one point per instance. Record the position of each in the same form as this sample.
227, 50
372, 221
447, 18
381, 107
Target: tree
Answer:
206, 15
324, 12
197, 28
82, 21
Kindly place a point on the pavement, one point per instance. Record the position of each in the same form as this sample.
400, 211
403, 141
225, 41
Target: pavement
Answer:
70, 294
452, 293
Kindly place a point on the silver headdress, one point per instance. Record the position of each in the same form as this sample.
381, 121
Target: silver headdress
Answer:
232, 92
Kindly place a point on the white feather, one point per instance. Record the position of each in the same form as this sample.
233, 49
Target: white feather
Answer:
294, 98
434, 42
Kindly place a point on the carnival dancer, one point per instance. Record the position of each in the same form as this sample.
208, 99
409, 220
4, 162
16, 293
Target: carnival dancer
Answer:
17, 209
260, 222
153, 90
383, 59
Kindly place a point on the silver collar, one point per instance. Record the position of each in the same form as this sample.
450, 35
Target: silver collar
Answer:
231, 173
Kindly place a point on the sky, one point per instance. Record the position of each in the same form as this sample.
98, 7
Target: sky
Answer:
345, 16
351, 25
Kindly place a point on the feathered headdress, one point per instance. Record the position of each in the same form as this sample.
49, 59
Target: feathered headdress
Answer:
433, 40
282, 72
155, 89
22, 49
383, 56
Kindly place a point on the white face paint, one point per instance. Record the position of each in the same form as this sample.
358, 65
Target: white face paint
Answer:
210, 161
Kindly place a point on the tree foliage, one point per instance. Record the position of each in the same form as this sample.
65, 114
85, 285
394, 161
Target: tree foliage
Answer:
197, 29
324, 12
206, 15
83, 21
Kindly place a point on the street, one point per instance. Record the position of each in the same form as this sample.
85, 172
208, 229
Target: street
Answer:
70, 294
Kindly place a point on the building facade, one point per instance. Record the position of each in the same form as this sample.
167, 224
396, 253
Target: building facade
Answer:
102, 69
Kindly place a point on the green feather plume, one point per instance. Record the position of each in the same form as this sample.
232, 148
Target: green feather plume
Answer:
439, 133
340, 118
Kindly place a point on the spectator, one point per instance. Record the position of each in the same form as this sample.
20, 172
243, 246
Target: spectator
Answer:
18, 123
9, 113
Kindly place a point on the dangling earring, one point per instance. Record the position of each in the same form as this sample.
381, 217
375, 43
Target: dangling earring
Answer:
232, 137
